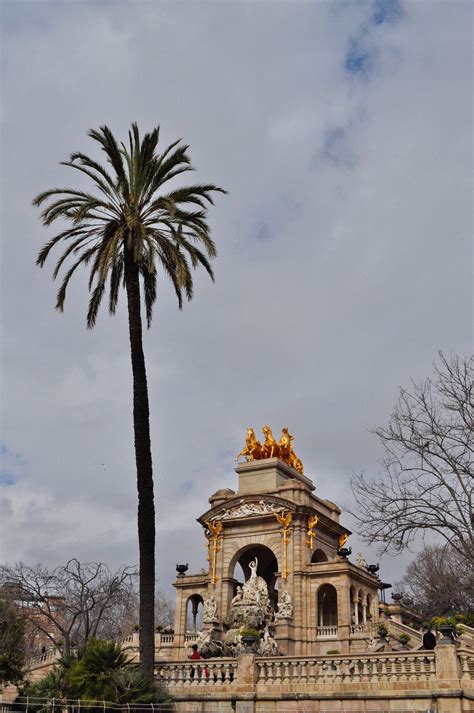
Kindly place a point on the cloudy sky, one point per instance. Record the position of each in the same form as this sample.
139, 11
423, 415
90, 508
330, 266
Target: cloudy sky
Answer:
342, 131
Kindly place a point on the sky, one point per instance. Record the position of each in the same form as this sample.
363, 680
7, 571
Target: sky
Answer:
342, 131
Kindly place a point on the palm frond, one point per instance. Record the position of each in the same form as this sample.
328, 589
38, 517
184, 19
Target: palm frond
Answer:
127, 210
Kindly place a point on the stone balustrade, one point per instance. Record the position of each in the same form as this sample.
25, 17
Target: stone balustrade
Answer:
327, 632
386, 668
47, 657
396, 628
191, 636
367, 629
199, 673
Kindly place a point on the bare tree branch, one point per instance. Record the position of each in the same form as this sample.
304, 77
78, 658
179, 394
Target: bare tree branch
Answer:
427, 475
439, 582
69, 603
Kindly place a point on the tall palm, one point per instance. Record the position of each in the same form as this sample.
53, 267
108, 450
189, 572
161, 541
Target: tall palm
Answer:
128, 227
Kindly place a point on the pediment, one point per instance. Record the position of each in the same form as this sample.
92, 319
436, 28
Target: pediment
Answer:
249, 506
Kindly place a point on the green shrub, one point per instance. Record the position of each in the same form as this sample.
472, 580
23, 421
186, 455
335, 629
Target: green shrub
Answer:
250, 631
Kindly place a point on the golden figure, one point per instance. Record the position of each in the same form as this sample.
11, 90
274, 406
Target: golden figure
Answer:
253, 448
312, 522
270, 448
213, 534
287, 453
285, 521
342, 540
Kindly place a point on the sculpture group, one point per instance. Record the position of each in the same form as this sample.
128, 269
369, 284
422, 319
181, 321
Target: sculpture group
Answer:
270, 448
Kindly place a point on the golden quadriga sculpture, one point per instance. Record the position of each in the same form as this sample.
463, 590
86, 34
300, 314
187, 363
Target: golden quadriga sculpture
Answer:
254, 450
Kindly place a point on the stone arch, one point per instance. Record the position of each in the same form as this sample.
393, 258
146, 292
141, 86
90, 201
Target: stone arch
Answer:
327, 606
194, 610
267, 566
319, 556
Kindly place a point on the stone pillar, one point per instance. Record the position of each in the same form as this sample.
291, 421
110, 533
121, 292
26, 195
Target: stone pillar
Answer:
247, 670
448, 674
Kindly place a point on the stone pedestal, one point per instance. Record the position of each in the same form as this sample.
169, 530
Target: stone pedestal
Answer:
448, 671
284, 636
266, 475
247, 670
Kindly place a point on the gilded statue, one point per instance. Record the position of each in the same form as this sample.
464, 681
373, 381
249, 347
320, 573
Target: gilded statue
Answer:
312, 522
254, 450
215, 527
342, 540
287, 453
284, 519
270, 448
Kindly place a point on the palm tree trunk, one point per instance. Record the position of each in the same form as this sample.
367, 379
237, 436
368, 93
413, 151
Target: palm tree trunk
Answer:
146, 507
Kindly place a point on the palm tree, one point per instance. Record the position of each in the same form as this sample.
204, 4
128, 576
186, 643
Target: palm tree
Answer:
128, 227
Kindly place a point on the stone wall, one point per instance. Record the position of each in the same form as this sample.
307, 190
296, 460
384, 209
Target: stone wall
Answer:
439, 681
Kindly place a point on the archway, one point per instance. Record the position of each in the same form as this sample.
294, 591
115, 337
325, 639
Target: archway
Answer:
194, 609
327, 606
267, 568
319, 556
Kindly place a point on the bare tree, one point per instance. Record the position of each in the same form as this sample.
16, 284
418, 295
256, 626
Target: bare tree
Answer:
439, 581
426, 482
70, 603
122, 618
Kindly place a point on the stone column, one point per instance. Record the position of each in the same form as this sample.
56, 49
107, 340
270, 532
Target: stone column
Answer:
448, 674
364, 609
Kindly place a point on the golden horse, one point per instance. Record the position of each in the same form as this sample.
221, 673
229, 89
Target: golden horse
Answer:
286, 450
270, 448
253, 448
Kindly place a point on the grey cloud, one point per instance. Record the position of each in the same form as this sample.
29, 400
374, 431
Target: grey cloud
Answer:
366, 273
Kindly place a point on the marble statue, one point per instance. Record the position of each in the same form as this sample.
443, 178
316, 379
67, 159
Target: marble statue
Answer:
285, 607
210, 610
267, 645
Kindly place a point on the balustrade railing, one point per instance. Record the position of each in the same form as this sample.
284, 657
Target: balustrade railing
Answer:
396, 628
49, 655
191, 636
326, 632
368, 668
367, 628
203, 674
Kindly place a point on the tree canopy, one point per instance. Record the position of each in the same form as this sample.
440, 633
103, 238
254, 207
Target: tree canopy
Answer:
12, 645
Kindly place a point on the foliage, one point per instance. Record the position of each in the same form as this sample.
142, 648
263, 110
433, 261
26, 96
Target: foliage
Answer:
426, 482
332, 652
92, 677
73, 602
404, 638
250, 631
12, 645
100, 672
130, 225
439, 581
438, 621
382, 629
127, 211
